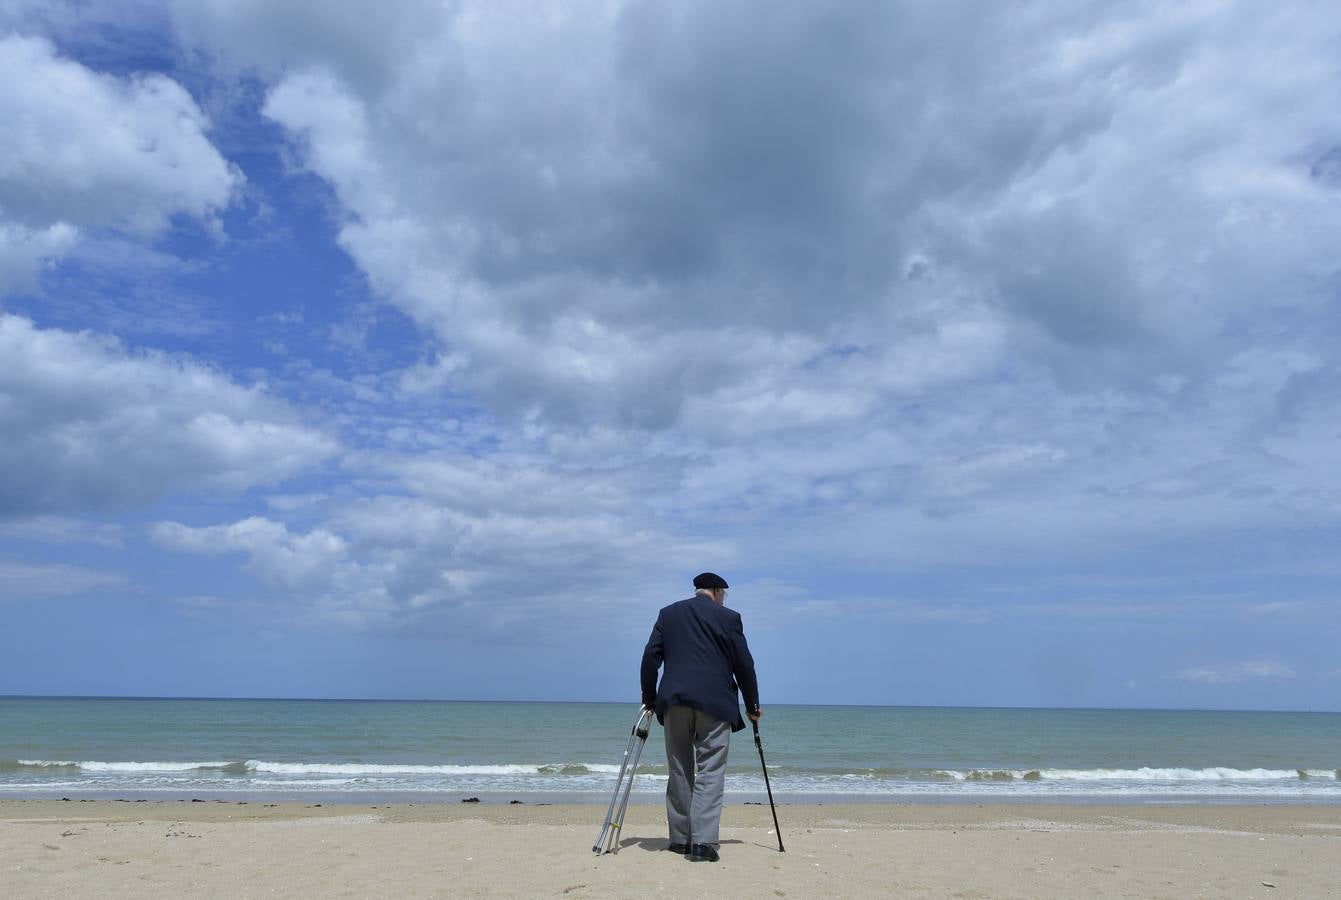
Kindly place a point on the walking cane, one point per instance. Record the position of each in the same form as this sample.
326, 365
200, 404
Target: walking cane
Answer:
758, 743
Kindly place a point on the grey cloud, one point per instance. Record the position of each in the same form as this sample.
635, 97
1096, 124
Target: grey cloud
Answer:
91, 426
597, 194
269, 39
74, 19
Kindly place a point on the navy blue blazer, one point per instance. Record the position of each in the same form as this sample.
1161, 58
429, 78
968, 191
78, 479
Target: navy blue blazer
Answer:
703, 646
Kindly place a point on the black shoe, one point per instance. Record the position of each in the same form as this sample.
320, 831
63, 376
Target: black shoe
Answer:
703, 853
682, 849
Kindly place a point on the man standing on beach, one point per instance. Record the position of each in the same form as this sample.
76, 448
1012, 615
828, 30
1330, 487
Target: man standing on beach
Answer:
703, 646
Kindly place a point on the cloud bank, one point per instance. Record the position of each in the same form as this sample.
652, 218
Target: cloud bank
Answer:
942, 286
645, 216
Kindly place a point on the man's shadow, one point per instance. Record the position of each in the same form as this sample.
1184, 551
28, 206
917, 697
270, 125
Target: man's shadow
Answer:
656, 844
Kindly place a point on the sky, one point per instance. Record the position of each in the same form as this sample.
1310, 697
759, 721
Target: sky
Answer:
989, 351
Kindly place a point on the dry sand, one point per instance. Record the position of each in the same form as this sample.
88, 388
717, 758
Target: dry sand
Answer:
179, 849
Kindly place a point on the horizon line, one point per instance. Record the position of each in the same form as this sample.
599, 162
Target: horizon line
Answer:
21, 696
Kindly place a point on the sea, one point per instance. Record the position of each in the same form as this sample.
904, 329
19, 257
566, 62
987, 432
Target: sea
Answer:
359, 751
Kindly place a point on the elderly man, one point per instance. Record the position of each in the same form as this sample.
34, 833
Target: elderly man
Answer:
703, 646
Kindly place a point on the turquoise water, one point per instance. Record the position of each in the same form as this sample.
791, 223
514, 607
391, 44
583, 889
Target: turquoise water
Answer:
423, 751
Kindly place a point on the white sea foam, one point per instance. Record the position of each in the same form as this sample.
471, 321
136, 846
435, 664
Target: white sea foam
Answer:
1216, 773
325, 768
150, 766
1144, 774
98, 766
595, 778
394, 769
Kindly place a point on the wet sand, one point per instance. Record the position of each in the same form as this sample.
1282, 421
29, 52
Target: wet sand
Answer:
174, 848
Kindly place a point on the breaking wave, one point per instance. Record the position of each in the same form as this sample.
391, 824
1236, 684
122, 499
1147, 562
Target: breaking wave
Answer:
316, 768
258, 776
1143, 775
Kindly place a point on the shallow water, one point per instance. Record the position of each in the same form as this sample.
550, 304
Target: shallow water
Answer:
427, 750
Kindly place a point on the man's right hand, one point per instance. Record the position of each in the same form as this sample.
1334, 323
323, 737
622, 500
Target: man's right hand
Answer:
756, 715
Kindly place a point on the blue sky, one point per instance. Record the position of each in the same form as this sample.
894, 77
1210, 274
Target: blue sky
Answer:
990, 353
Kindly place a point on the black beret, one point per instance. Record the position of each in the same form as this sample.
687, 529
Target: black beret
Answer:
710, 581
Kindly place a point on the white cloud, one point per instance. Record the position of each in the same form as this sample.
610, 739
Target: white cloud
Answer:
296, 561
1232, 674
18, 579
92, 425
83, 151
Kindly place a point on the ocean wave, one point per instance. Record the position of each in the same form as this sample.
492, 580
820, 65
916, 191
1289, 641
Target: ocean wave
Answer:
37, 764
332, 768
314, 768
584, 769
1144, 774
95, 766
126, 767
259, 775
1148, 774
324, 768
1214, 773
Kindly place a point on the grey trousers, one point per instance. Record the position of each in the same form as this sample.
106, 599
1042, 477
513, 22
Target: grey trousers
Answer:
696, 746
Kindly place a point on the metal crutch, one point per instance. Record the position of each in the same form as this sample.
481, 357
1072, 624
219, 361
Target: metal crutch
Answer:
608, 840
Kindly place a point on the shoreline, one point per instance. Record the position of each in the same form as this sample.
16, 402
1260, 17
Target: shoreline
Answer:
171, 849
1253, 816
648, 799
530, 798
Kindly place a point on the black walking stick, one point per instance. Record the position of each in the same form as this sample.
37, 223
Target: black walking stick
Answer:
758, 743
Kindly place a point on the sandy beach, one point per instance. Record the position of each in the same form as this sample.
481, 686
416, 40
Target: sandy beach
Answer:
215, 849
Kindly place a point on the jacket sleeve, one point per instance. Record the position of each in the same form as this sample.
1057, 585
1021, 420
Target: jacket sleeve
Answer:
742, 665
652, 656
